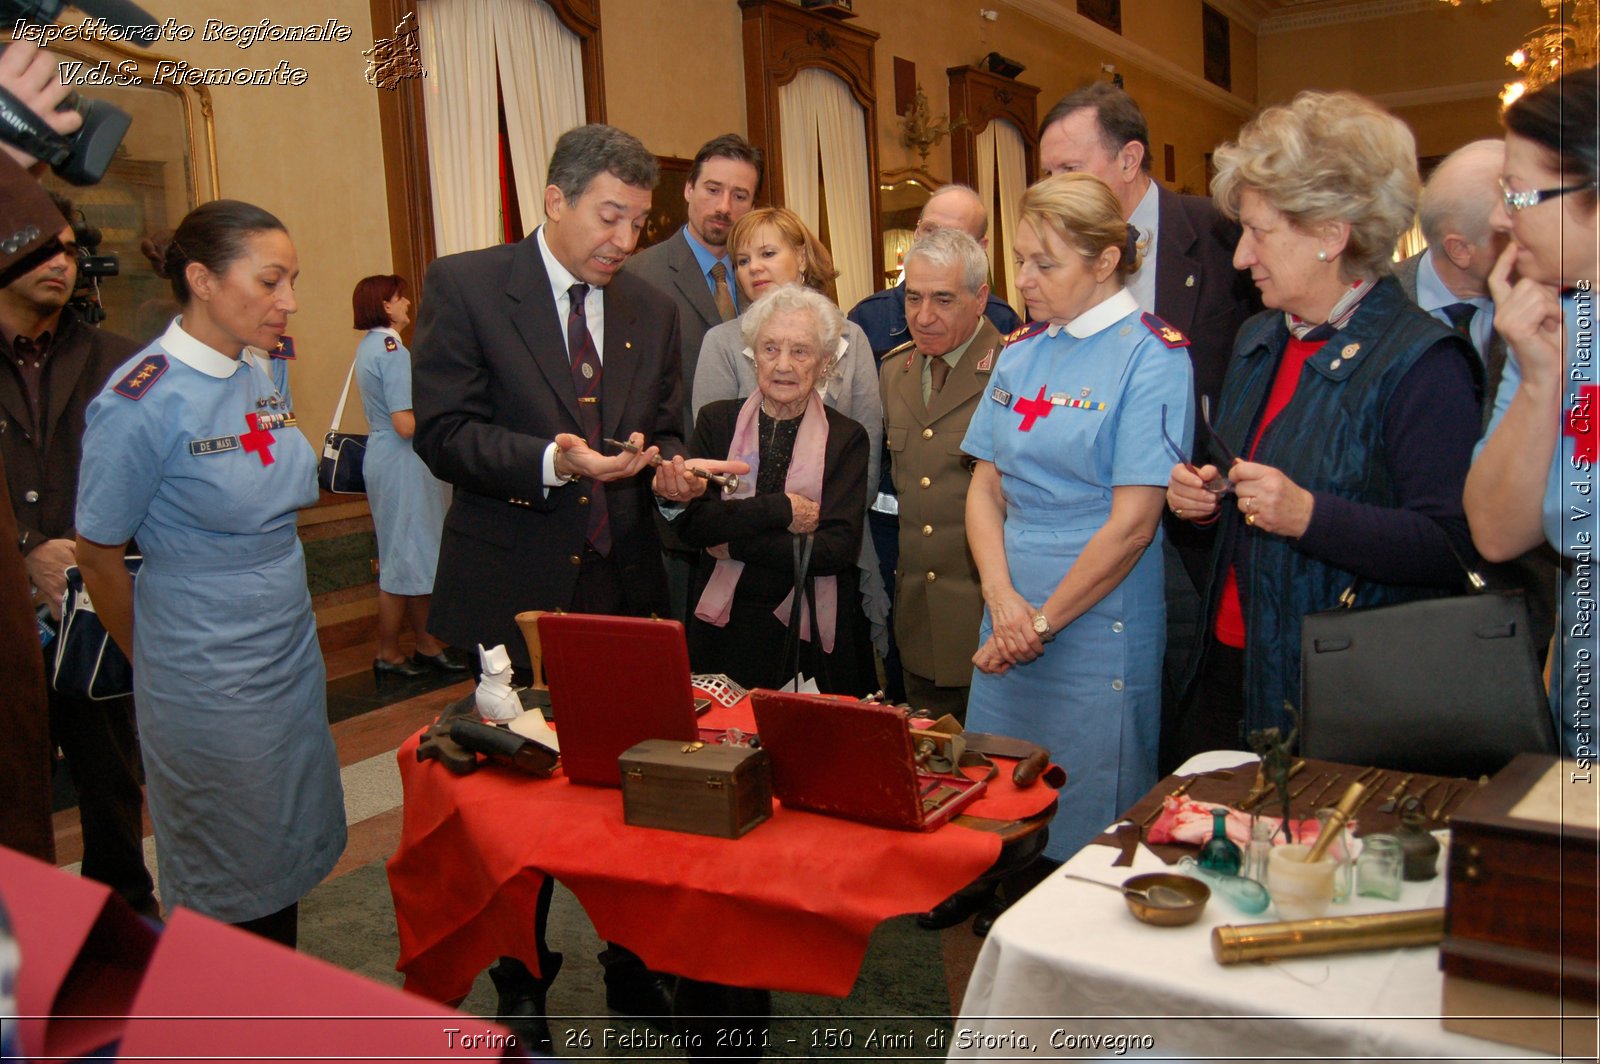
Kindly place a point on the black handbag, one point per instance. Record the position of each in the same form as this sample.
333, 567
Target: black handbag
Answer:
343, 453
1445, 686
88, 663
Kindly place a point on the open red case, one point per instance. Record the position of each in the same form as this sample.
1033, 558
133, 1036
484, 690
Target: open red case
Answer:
854, 760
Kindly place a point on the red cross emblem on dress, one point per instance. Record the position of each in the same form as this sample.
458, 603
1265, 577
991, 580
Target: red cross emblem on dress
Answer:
1581, 424
258, 440
1032, 409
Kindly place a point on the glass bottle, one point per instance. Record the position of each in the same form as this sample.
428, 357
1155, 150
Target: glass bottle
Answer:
1255, 859
1220, 853
1379, 866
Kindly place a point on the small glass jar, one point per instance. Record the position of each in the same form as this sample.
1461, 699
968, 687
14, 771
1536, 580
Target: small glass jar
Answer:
1255, 858
1378, 869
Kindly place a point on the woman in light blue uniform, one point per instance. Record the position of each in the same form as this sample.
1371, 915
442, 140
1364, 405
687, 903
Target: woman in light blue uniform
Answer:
192, 450
1065, 504
1535, 475
407, 503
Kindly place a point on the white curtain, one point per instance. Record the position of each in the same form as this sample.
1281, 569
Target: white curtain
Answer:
1002, 178
541, 80
1011, 160
821, 120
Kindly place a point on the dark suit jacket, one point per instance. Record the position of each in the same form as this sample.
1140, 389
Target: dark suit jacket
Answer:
1197, 289
42, 460
492, 386
1494, 359
671, 268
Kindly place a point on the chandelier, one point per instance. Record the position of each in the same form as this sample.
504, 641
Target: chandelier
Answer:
1556, 46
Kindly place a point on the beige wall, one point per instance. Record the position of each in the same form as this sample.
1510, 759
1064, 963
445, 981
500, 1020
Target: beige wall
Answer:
674, 71
313, 156
1439, 68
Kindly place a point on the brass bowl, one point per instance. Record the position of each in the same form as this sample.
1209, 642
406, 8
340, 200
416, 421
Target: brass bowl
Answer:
1195, 894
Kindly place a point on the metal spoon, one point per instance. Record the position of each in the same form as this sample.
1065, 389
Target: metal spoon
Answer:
1158, 895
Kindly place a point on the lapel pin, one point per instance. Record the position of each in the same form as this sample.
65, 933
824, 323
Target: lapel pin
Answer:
1188, 282
627, 345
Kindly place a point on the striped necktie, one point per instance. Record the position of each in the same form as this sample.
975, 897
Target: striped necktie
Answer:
724, 298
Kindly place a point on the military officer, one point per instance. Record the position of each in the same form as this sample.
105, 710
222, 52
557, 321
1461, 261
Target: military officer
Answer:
930, 387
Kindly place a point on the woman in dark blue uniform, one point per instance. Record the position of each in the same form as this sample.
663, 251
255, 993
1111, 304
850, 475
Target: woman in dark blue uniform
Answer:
192, 450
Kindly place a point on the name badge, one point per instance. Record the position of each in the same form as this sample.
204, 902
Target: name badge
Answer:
1001, 396
215, 445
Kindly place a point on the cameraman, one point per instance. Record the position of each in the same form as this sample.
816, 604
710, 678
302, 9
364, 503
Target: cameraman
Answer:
27, 221
51, 365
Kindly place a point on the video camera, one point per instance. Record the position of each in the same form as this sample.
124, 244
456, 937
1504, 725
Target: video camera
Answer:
83, 157
91, 267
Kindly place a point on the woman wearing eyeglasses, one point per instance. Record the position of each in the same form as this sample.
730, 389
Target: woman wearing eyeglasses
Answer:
1534, 476
1352, 413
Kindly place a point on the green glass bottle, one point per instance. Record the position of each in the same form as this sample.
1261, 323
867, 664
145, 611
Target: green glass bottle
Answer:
1220, 853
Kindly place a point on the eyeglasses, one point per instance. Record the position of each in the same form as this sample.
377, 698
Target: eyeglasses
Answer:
1520, 201
1219, 484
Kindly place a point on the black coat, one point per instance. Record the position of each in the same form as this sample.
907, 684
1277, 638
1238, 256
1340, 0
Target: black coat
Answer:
491, 387
750, 647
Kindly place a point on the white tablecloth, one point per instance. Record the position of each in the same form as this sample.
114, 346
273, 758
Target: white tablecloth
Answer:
1068, 972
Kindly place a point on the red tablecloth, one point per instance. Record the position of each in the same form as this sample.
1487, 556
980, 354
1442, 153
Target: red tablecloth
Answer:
789, 906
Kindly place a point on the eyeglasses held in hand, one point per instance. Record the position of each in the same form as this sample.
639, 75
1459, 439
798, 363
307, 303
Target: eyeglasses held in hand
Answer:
1218, 485
1520, 201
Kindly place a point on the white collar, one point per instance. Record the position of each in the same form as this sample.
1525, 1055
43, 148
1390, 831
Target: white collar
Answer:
1147, 215
385, 330
191, 352
1101, 316
561, 278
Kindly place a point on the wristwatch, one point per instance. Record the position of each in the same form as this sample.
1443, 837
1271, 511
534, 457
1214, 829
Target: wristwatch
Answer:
1041, 627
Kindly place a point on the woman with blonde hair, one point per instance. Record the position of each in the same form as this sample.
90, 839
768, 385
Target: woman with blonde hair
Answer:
1065, 504
1345, 423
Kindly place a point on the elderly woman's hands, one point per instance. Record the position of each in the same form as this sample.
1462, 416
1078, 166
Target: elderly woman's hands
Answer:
1012, 618
1187, 494
803, 514
1270, 501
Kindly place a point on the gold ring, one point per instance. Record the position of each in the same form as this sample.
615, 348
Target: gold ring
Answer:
1250, 519
1177, 511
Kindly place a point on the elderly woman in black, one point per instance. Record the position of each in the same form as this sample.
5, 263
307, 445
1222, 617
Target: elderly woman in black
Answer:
1351, 412
802, 505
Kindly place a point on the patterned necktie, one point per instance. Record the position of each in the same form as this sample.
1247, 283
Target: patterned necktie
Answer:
586, 380
1461, 315
939, 371
724, 298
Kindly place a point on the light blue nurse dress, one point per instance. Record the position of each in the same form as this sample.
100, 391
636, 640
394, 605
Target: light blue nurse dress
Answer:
1072, 412
243, 782
1571, 513
407, 501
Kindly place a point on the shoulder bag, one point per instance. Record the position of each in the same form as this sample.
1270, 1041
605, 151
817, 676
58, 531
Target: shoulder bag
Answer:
88, 663
343, 453
1445, 686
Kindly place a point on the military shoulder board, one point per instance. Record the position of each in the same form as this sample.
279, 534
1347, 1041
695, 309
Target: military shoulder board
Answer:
141, 377
284, 348
1164, 332
1033, 328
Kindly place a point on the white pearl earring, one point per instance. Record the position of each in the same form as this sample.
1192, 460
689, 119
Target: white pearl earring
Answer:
1322, 256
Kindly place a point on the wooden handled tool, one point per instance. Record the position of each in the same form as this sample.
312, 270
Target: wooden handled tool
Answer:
728, 482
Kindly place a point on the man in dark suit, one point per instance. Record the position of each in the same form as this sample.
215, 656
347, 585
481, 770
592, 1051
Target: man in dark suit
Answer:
694, 269
722, 187
1450, 280
1450, 277
526, 357
1192, 284
1186, 278
54, 364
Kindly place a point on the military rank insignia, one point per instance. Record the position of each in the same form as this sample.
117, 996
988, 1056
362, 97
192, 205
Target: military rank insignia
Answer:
391, 344
1164, 332
141, 377
1032, 328
986, 363
284, 348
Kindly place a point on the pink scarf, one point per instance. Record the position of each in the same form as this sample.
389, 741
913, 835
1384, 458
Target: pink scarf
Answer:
804, 478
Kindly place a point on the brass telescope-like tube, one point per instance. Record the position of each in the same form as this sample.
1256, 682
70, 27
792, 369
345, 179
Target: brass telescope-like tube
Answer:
1329, 934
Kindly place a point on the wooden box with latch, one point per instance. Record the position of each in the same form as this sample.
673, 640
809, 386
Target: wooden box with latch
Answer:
700, 788
1523, 910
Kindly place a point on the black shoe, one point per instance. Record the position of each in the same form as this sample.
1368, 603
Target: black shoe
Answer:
954, 909
634, 990
520, 1000
441, 661
381, 668
991, 912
